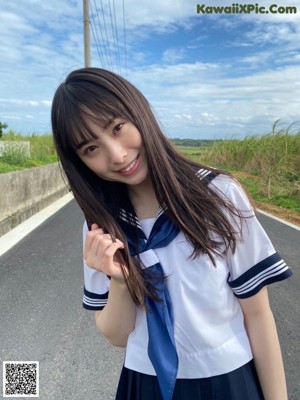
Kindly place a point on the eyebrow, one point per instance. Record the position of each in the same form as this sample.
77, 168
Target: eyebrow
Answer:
81, 144
87, 141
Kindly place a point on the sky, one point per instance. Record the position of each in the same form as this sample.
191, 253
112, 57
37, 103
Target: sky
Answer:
206, 75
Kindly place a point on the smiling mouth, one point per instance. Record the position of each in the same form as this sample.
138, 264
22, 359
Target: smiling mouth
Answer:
130, 166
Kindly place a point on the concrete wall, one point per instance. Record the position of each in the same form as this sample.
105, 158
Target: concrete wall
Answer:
23, 193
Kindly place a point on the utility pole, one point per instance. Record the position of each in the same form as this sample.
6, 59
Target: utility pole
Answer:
87, 41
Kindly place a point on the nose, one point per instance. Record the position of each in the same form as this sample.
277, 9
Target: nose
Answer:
117, 152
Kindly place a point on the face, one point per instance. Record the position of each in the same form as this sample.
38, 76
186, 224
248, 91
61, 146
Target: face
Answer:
117, 154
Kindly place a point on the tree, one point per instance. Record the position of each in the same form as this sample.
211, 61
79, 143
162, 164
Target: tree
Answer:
3, 125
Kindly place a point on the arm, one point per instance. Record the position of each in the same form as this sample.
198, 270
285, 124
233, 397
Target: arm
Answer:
117, 319
262, 332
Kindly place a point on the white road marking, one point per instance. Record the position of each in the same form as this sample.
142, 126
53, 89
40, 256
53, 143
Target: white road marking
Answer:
279, 219
12, 237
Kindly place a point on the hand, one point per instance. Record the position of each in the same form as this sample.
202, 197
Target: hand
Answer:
99, 252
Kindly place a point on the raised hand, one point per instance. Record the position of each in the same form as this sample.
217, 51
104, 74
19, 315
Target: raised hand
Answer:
99, 252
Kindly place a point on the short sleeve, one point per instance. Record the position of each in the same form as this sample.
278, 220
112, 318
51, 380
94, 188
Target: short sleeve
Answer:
96, 284
255, 263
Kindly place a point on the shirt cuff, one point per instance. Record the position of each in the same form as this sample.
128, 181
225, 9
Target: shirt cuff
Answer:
270, 270
93, 301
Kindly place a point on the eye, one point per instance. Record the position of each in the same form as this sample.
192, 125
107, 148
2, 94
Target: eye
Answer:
89, 149
118, 127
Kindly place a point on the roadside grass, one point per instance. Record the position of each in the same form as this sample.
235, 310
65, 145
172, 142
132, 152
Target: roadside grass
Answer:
268, 166
193, 153
42, 152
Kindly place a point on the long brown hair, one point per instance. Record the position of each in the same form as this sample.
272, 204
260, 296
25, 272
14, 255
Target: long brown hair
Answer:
93, 93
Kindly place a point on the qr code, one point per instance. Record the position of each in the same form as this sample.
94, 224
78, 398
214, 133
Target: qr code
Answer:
20, 378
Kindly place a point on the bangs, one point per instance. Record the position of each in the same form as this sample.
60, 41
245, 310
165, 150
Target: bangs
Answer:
79, 129
80, 106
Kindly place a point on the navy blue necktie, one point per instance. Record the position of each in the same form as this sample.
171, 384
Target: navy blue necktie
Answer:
160, 319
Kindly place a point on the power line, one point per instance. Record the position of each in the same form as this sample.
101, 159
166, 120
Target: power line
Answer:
124, 30
112, 29
101, 53
116, 37
107, 39
96, 38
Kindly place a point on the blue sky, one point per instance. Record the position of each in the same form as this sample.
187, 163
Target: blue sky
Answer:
206, 75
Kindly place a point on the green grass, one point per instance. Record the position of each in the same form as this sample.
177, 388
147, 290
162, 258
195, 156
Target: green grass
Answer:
192, 152
254, 184
42, 152
270, 164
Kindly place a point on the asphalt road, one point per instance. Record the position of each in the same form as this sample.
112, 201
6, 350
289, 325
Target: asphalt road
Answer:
41, 318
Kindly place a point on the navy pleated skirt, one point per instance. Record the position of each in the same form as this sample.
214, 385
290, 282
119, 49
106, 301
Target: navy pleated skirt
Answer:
240, 384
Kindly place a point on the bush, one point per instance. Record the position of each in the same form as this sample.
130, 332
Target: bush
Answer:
42, 151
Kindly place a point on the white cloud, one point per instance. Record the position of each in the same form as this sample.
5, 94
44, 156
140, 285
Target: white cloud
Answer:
227, 104
172, 56
42, 42
183, 116
160, 14
11, 117
280, 33
31, 103
46, 103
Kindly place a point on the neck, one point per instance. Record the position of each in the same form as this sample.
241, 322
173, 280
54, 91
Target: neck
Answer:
143, 199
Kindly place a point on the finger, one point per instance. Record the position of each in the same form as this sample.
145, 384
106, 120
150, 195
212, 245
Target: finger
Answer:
90, 252
97, 247
90, 237
119, 241
112, 249
101, 254
98, 233
90, 243
94, 226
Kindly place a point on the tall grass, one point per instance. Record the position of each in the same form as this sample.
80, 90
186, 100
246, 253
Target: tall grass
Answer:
41, 152
274, 158
268, 165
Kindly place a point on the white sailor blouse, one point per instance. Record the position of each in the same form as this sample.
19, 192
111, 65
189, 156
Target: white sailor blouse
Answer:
208, 321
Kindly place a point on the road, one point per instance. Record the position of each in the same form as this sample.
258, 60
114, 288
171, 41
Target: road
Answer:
42, 318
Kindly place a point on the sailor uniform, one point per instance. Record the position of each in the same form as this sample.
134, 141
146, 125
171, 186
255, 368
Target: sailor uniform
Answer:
209, 330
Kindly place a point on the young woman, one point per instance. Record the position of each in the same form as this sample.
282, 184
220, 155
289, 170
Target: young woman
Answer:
175, 262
